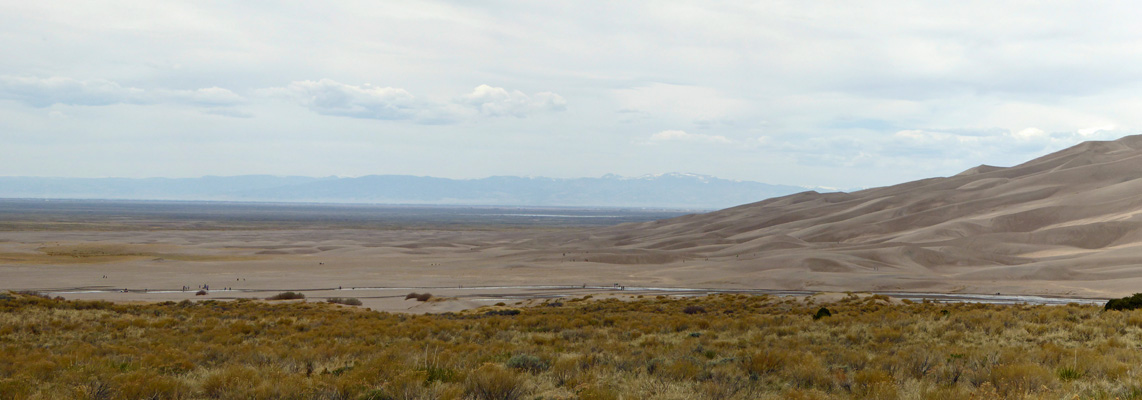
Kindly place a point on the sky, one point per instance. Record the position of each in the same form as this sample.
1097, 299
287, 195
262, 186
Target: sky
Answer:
811, 93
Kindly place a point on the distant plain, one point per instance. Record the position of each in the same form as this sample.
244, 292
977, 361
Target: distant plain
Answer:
150, 250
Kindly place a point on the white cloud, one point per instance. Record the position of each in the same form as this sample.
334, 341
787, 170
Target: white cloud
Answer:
1031, 133
695, 103
211, 96
44, 92
228, 112
683, 136
1094, 130
496, 101
330, 97
970, 147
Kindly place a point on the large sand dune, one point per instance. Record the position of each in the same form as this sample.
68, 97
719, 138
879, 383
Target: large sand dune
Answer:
1066, 224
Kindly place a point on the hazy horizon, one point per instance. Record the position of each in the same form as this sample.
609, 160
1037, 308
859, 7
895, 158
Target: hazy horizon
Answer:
666, 190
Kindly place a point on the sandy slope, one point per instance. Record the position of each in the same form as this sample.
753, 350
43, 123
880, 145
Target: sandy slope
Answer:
1069, 223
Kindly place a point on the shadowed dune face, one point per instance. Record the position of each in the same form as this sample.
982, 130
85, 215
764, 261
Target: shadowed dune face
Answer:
1051, 219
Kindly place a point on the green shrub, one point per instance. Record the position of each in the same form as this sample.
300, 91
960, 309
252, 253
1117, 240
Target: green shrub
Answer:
527, 362
502, 312
1068, 373
438, 374
694, 310
418, 296
1125, 303
286, 296
351, 301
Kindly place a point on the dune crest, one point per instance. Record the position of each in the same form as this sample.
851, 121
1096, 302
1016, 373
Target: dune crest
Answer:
1074, 215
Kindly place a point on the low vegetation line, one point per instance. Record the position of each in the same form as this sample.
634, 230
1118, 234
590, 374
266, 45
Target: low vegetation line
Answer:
729, 346
913, 296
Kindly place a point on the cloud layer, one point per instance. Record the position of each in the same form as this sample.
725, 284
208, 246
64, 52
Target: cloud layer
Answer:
325, 97
682, 136
44, 92
329, 97
852, 94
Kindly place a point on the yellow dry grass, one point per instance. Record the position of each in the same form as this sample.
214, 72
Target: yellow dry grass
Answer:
717, 347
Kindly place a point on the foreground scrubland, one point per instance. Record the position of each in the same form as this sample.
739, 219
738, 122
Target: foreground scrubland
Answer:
718, 347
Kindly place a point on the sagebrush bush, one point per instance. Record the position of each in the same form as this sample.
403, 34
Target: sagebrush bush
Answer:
351, 301
527, 362
287, 296
503, 312
694, 310
418, 296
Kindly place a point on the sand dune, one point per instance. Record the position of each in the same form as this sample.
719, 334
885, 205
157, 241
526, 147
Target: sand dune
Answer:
1049, 219
1068, 224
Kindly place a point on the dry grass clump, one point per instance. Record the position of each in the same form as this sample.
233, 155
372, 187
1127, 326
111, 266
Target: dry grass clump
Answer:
492, 382
287, 296
742, 347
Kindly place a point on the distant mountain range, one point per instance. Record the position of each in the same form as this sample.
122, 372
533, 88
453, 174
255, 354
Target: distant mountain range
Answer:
674, 190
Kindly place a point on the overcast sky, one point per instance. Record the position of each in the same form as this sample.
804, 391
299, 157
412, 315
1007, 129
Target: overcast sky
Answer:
839, 94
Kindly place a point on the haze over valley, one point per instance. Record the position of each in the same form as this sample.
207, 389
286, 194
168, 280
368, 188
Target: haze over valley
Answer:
672, 190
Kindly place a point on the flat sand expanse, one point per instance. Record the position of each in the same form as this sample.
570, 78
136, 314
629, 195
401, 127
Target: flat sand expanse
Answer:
462, 269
